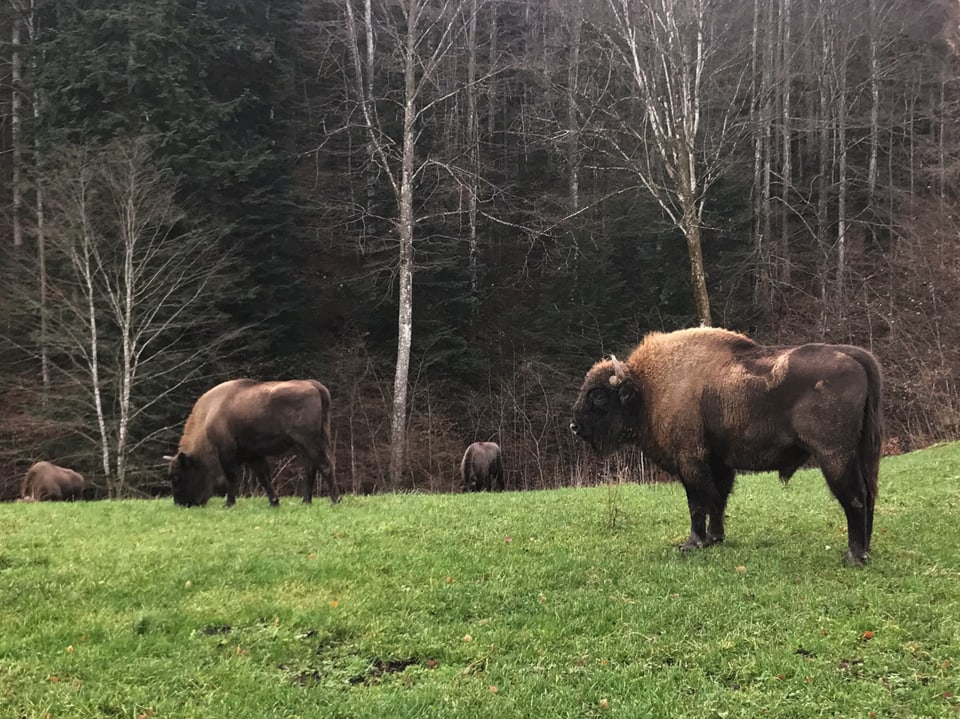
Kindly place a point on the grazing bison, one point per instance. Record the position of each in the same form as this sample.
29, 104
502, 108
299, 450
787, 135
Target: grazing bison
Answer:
46, 481
243, 421
481, 466
703, 403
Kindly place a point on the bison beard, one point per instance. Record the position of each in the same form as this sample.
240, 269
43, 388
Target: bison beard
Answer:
703, 403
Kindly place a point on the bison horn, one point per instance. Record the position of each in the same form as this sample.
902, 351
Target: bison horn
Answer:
168, 458
618, 375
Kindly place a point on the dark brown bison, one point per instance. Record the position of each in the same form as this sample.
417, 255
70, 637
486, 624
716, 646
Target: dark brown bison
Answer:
703, 403
46, 481
242, 422
482, 467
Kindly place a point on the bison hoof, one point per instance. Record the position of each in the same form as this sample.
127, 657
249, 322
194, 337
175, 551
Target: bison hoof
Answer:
697, 543
274, 502
855, 559
308, 500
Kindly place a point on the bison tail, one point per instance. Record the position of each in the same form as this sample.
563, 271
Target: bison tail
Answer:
871, 435
326, 433
26, 486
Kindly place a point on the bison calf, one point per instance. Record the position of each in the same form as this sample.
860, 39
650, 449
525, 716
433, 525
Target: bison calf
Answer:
703, 403
482, 467
46, 481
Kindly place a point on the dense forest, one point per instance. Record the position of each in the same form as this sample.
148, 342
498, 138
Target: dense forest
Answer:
447, 210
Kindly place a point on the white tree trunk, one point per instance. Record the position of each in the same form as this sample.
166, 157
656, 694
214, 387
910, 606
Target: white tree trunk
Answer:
16, 77
405, 269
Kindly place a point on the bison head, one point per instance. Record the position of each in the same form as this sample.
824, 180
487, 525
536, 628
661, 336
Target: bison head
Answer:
188, 479
599, 414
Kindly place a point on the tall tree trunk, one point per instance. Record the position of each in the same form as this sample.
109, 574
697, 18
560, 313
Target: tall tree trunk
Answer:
825, 167
786, 134
473, 149
42, 263
841, 142
16, 109
698, 276
874, 104
398, 417
572, 120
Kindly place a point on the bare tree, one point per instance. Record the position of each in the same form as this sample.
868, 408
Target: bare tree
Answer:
419, 35
670, 49
133, 273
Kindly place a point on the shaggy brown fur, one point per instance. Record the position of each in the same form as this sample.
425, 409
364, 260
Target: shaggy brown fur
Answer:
243, 421
703, 403
46, 481
482, 467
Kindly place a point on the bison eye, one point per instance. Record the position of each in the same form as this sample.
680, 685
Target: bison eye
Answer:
598, 398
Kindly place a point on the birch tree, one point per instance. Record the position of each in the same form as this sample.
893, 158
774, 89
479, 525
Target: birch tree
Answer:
418, 36
670, 52
131, 275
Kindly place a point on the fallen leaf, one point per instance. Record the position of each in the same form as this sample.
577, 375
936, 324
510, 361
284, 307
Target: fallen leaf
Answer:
431, 664
604, 704
188, 584
543, 599
70, 648
508, 539
311, 556
493, 689
868, 635
334, 602
781, 677
741, 569
449, 579
948, 695
53, 678
467, 638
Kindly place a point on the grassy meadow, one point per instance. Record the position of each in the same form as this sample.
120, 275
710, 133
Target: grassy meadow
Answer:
567, 603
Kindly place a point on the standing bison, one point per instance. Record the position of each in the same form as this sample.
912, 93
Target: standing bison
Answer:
47, 481
243, 421
703, 403
481, 467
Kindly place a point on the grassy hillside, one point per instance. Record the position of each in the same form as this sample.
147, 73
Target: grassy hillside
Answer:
569, 603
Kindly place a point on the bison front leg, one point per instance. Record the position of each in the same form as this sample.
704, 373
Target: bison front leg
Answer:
703, 500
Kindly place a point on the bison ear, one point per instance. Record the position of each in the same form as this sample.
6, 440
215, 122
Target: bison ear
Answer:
627, 392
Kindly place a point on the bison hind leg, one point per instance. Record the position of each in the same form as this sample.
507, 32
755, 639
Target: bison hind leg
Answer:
847, 483
723, 478
261, 469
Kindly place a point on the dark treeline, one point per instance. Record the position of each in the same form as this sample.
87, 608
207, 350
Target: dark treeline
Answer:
446, 210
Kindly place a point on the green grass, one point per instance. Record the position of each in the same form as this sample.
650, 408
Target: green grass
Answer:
576, 604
